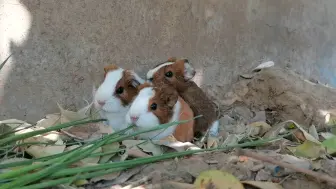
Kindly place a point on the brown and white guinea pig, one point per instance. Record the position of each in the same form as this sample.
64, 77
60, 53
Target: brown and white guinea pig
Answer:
115, 94
179, 74
160, 104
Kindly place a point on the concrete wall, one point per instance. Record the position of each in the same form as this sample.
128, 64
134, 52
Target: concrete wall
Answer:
60, 47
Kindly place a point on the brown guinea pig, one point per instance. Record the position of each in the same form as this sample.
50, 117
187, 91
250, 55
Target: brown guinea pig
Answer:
155, 105
179, 73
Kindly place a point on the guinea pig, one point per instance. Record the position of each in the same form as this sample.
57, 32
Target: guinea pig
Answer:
179, 73
160, 104
115, 94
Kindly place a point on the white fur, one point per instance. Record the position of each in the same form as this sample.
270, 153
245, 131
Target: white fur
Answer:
189, 71
151, 72
147, 119
113, 110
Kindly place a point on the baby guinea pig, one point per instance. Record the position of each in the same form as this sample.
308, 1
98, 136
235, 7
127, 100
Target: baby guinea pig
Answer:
160, 104
115, 95
179, 74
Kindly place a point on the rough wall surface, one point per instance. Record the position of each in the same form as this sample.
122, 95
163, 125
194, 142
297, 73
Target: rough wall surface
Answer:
67, 43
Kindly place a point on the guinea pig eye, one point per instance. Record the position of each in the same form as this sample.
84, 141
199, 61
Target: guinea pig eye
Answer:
169, 74
151, 79
120, 90
153, 106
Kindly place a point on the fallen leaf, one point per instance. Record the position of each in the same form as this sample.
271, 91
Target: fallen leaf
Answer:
327, 135
12, 124
263, 125
330, 145
262, 185
88, 160
80, 182
308, 149
312, 130
212, 142
38, 151
110, 176
171, 142
146, 146
108, 148
49, 120
306, 134
217, 179
263, 66
85, 131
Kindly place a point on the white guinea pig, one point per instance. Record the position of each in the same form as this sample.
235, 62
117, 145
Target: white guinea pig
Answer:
114, 96
155, 105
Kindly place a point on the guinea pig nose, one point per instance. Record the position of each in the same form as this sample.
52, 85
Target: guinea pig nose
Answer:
186, 60
134, 118
100, 102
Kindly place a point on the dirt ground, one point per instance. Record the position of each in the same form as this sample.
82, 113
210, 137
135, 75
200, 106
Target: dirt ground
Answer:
271, 95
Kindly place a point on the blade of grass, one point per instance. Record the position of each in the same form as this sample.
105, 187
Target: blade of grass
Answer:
138, 161
15, 138
84, 154
15, 164
62, 162
143, 161
68, 180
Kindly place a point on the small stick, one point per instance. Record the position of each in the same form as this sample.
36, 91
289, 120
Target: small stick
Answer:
286, 165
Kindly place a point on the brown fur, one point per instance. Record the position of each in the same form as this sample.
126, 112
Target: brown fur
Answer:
166, 97
191, 93
184, 132
129, 92
109, 68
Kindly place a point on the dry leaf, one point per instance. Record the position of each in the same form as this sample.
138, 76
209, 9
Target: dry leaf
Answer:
80, 182
146, 146
262, 185
12, 124
312, 130
264, 127
308, 149
305, 133
171, 142
108, 148
38, 151
327, 135
330, 145
110, 176
217, 179
49, 120
86, 131
212, 142
88, 160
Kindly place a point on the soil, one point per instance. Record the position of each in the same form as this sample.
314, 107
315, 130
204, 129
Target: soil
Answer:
283, 95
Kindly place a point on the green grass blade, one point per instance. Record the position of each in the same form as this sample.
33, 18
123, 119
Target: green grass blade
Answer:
138, 161
15, 138
68, 180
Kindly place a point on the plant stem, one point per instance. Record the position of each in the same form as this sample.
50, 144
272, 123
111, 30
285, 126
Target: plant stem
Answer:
11, 139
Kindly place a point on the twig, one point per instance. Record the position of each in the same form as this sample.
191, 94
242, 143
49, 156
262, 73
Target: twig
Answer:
286, 165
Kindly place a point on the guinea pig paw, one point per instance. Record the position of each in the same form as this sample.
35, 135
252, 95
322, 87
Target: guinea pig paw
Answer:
212, 142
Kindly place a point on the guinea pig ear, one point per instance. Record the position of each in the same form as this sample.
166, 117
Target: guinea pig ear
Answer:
110, 68
136, 80
172, 59
184, 67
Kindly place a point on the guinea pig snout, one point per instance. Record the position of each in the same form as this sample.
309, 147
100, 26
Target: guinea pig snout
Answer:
134, 119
